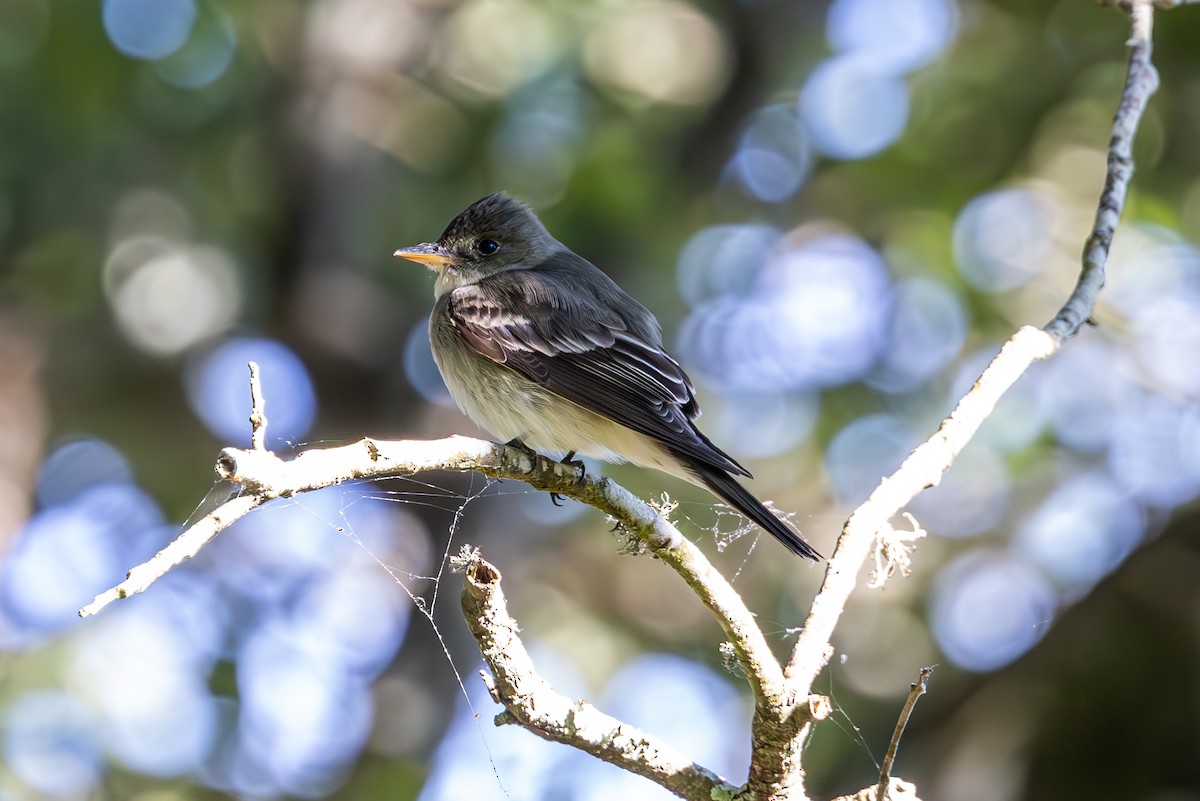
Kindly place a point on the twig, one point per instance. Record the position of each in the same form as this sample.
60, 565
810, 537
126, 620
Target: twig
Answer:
182, 548
1141, 81
916, 690
189, 543
258, 411
926, 465
531, 702
923, 468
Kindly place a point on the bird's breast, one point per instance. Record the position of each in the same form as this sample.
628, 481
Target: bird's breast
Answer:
509, 406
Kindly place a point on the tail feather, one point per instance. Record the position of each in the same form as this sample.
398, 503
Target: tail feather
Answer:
727, 488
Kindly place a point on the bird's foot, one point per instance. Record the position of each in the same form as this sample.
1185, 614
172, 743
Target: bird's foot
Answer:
516, 442
578, 464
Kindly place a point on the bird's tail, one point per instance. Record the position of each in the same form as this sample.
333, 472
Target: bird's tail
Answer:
728, 489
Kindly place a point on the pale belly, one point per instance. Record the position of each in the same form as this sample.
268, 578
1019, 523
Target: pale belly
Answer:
509, 406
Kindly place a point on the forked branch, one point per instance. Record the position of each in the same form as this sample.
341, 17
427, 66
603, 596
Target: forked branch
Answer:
784, 708
262, 476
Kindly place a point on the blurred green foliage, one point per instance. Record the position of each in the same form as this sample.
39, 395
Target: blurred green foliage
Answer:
342, 129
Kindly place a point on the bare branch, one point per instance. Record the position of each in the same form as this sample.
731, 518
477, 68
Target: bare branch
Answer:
183, 547
1141, 81
929, 462
916, 690
923, 468
258, 411
781, 717
530, 701
264, 476
926, 465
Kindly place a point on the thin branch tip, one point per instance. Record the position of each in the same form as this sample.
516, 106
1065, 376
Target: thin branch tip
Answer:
916, 690
930, 460
258, 414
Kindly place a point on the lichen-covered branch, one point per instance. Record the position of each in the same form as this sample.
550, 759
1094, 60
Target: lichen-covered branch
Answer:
530, 701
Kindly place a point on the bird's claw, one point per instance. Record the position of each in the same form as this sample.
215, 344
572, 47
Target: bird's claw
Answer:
571, 461
515, 442
578, 464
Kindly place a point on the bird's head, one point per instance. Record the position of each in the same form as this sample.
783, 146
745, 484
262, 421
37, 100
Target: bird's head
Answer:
493, 234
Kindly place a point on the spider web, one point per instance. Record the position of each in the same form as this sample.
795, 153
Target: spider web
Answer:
421, 580
424, 589
413, 562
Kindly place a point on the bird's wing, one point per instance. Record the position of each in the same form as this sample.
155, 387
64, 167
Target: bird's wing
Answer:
568, 340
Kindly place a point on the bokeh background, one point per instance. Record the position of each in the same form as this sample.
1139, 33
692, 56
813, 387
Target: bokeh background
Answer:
838, 211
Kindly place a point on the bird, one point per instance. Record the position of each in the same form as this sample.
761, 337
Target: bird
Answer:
541, 348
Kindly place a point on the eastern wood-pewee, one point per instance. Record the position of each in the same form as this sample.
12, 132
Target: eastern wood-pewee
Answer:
538, 346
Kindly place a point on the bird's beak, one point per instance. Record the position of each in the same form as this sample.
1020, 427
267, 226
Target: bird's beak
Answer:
431, 256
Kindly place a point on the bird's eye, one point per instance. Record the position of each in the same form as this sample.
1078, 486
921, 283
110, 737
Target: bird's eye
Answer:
487, 246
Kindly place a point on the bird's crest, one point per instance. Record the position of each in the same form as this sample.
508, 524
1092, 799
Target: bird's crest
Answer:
494, 214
